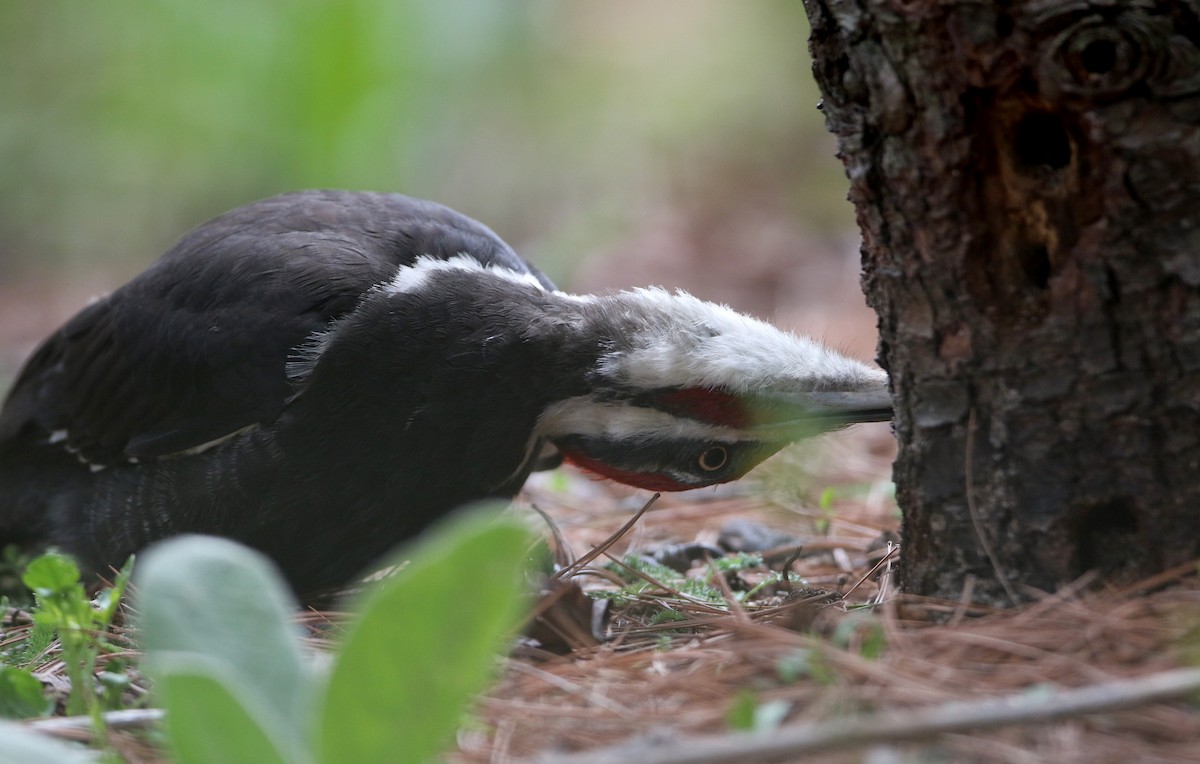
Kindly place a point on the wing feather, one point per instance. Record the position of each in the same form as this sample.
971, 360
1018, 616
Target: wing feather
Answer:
196, 347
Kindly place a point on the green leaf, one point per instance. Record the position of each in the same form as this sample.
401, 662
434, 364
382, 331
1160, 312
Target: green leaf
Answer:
866, 630
50, 574
208, 720
738, 562
215, 598
108, 601
804, 662
827, 497
425, 644
21, 694
747, 714
740, 715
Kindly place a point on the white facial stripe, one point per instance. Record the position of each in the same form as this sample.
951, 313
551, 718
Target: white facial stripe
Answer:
412, 278
584, 416
686, 342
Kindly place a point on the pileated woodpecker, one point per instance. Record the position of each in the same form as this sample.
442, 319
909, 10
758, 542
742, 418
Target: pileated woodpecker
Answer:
322, 374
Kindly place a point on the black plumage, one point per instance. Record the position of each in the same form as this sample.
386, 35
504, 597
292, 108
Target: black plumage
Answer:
196, 348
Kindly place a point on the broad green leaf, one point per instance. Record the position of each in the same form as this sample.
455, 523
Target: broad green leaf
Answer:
51, 573
215, 598
208, 720
425, 643
21, 694
21, 745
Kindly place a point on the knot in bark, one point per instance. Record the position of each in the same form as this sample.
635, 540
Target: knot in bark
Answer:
1114, 54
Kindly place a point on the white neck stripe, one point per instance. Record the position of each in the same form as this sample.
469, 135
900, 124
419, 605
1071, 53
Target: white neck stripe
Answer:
412, 278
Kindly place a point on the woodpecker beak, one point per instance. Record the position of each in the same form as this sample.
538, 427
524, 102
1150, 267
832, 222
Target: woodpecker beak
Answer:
792, 416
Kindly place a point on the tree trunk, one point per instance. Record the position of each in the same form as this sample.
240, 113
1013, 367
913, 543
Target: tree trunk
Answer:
1027, 181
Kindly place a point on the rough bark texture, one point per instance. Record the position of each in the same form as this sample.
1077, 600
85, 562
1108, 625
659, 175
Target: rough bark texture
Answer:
1027, 180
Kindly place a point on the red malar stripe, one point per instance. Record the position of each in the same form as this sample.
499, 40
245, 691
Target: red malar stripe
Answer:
651, 481
707, 405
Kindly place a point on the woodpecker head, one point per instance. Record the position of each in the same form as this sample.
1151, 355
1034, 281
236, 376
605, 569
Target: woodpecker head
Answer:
686, 393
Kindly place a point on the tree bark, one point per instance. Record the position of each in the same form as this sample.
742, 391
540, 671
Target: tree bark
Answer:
1027, 180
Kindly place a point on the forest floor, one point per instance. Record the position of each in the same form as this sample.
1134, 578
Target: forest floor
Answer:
867, 674
730, 663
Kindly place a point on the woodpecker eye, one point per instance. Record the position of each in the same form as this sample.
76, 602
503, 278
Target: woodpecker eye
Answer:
714, 458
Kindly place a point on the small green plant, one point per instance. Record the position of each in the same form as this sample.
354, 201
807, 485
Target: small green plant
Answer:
828, 512
64, 610
21, 694
750, 714
642, 574
805, 662
738, 561
238, 685
861, 632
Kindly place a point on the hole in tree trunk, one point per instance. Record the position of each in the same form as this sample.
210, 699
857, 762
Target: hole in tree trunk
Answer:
1099, 56
1041, 140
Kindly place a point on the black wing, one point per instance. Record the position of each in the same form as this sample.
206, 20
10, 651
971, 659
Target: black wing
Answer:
195, 348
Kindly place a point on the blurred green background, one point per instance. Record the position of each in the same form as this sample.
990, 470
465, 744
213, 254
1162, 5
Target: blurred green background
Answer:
674, 141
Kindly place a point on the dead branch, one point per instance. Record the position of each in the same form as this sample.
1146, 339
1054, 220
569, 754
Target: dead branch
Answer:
129, 718
896, 727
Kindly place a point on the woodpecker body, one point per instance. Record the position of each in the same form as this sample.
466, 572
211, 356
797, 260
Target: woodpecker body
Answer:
322, 374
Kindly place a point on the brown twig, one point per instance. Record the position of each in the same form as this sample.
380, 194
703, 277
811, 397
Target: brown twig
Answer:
891, 552
603, 546
855, 732
129, 718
